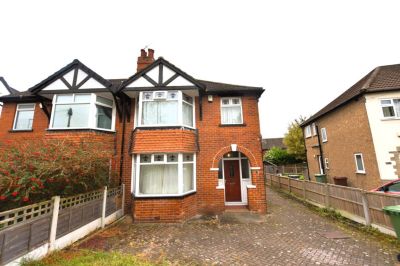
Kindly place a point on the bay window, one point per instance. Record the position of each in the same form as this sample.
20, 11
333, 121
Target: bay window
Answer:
171, 174
86, 110
166, 108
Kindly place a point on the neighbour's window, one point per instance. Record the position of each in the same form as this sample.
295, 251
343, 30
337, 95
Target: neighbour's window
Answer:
307, 131
326, 163
82, 111
324, 136
390, 108
166, 108
314, 129
24, 116
166, 174
231, 111
359, 163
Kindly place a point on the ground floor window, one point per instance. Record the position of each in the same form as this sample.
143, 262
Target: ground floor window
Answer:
165, 174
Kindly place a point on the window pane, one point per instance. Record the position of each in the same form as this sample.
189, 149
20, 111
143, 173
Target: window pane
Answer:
65, 98
235, 101
24, 120
388, 111
245, 169
188, 177
231, 115
172, 95
386, 102
395, 187
159, 157
187, 114
188, 157
82, 98
220, 170
145, 158
104, 117
360, 166
167, 113
225, 101
187, 98
158, 179
26, 106
148, 95
172, 158
104, 101
397, 106
149, 114
76, 115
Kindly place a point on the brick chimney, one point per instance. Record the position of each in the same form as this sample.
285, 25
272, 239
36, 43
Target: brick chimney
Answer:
145, 59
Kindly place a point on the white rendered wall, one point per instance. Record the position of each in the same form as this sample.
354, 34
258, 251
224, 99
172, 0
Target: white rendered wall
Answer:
385, 133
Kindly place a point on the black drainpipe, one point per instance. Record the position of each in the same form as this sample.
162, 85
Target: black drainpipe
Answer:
305, 148
320, 150
121, 162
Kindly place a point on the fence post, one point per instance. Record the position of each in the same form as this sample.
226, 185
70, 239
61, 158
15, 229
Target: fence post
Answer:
54, 221
295, 168
327, 196
279, 182
304, 189
366, 208
123, 199
290, 190
103, 211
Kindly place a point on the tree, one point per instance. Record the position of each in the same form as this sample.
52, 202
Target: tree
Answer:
294, 140
279, 156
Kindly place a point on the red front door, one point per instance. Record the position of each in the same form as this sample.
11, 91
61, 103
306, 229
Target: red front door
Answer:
232, 180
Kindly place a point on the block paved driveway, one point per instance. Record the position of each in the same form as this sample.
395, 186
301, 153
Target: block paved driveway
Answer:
290, 234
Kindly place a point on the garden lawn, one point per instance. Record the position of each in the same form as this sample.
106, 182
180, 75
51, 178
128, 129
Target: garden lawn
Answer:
87, 257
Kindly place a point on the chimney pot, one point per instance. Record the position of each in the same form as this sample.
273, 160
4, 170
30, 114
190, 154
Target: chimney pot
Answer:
142, 53
150, 53
145, 59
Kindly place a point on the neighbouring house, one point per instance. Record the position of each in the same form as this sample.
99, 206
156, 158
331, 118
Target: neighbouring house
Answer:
182, 146
267, 144
5, 89
357, 134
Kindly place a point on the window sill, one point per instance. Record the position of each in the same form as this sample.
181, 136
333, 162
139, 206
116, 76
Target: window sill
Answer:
20, 130
390, 118
163, 127
81, 129
361, 173
164, 196
232, 125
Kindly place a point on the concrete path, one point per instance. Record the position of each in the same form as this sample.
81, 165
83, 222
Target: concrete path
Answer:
290, 234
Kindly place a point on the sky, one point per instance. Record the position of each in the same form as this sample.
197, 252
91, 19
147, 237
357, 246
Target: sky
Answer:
303, 53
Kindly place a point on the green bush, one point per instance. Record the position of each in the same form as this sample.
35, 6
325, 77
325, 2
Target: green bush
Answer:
37, 170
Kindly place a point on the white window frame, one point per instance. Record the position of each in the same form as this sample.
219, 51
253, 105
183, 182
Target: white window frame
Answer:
324, 135
362, 160
180, 163
396, 114
307, 132
92, 122
180, 101
16, 115
230, 99
313, 129
326, 161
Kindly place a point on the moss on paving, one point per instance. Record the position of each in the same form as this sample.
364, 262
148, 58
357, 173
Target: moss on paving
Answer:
71, 257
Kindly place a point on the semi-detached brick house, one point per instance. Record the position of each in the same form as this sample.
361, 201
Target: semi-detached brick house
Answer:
357, 134
182, 146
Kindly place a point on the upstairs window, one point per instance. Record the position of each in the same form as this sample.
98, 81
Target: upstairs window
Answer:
314, 129
358, 157
231, 111
307, 131
24, 116
391, 108
74, 111
166, 108
324, 136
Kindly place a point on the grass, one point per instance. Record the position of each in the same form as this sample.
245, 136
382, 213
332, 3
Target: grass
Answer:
343, 221
86, 257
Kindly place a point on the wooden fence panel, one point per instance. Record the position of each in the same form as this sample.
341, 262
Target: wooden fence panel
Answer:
376, 203
296, 187
346, 199
315, 192
284, 183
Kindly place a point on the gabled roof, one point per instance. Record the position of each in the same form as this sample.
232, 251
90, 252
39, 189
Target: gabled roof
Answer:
382, 78
74, 65
159, 81
8, 88
267, 144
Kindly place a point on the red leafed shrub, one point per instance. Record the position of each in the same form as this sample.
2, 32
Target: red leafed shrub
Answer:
37, 170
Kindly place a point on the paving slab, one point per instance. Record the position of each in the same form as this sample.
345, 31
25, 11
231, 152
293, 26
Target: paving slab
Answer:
290, 234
